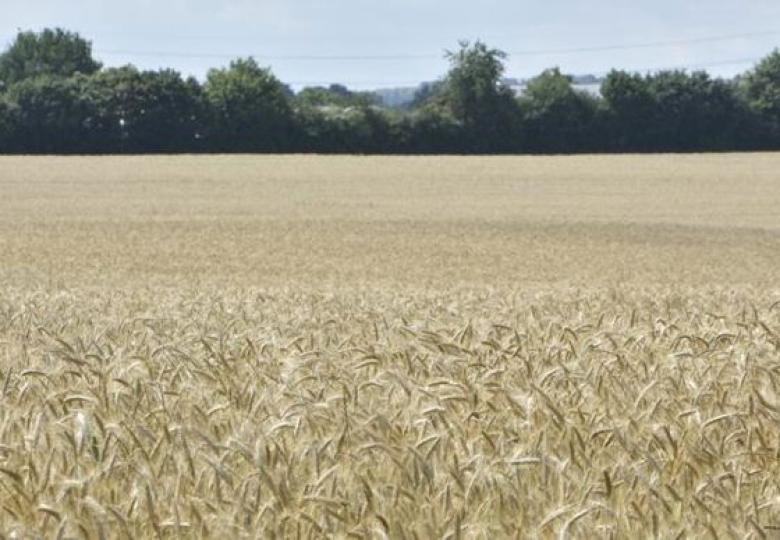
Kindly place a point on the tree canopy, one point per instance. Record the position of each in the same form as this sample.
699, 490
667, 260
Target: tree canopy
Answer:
556, 117
147, 111
50, 52
250, 109
56, 98
475, 95
335, 95
762, 91
51, 115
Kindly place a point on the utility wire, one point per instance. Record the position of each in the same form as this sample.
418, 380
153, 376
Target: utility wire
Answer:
395, 57
526, 53
397, 84
719, 63
649, 45
172, 54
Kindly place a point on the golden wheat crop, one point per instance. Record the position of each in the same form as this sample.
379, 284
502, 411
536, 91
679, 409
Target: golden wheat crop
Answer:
242, 347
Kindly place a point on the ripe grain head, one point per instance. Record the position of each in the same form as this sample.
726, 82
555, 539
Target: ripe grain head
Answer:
309, 365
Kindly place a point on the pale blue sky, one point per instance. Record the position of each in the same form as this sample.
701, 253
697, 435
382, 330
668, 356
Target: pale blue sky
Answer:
198, 34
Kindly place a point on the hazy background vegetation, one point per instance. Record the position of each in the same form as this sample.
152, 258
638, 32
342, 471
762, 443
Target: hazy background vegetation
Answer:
56, 98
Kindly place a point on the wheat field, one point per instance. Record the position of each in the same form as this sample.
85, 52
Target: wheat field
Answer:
364, 347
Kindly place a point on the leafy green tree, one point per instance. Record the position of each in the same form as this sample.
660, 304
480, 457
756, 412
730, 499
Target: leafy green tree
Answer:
429, 131
52, 115
673, 111
362, 130
372, 129
7, 125
425, 94
335, 95
50, 52
250, 109
629, 112
556, 117
761, 88
693, 112
148, 111
475, 96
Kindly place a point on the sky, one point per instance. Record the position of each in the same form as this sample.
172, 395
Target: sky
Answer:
372, 44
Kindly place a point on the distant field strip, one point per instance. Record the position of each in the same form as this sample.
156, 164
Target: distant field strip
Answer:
716, 190
428, 347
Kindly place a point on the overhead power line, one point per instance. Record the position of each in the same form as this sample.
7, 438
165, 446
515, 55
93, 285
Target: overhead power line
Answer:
402, 56
518, 53
175, 54
391, 84
702, 65
648, 45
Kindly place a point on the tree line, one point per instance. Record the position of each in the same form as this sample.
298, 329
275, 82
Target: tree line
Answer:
56, 98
